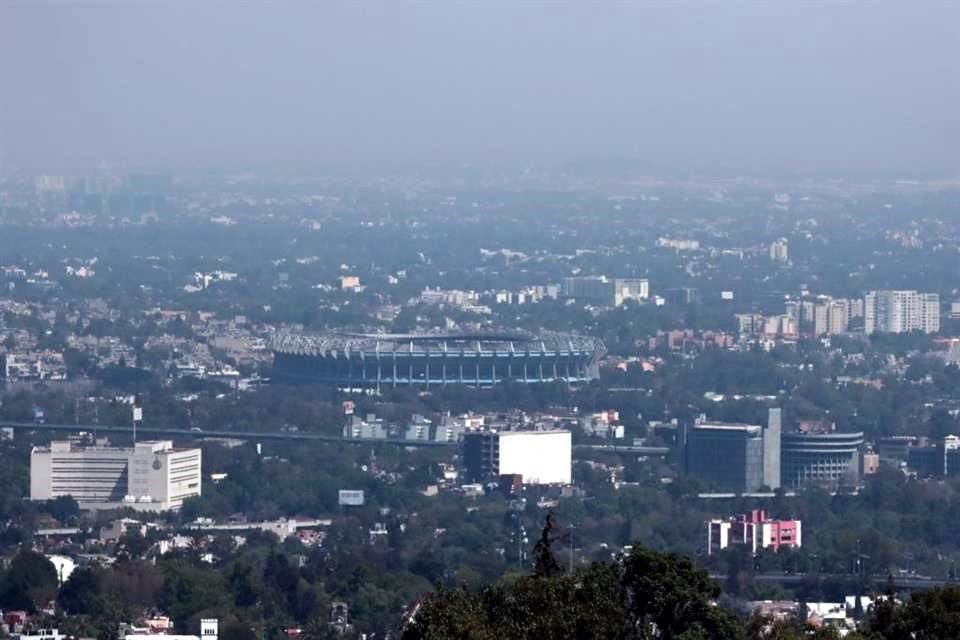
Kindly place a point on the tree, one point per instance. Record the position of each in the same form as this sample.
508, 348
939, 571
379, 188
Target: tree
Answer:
648, 595
545, 564
63, 508
133, 543
933, 614
80, 593
449, 614
243, 585
668, 597
188, 590
30, 582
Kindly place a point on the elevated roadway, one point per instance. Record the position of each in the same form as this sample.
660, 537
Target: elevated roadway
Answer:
179, 432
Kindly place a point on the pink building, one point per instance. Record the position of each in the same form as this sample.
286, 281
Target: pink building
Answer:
754, 529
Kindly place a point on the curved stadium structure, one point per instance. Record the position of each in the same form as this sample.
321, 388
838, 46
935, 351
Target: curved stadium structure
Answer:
428, 359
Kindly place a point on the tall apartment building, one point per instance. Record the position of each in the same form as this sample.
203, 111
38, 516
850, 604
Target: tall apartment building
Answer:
823, 316
780, 250
889, 311
150, 475
831, 317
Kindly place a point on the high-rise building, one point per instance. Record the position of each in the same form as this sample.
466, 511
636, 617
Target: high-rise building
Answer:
780, 251
838, 316
150, 475
820, 319
888, 311
733, 456
831, 317
771, 448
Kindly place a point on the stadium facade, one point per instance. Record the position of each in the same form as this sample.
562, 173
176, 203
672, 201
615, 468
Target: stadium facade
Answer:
427, 359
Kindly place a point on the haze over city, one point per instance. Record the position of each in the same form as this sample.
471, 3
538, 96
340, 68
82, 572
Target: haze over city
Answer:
479, 321
691, 86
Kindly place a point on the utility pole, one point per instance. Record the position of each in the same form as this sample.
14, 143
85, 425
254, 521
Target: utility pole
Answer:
137, 417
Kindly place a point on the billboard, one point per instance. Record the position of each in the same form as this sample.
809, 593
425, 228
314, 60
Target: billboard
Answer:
350, 498
541, 457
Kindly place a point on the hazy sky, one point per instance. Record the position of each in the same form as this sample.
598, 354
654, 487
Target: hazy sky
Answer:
750, 84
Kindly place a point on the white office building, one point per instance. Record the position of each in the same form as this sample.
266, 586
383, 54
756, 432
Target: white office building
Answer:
150, 476
890, 311
89, 474
606, 291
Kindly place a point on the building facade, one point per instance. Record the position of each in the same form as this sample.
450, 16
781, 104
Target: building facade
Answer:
780, 251
754, 530
89, 474
605, 291
733, 457
938, 460
828, 459
889, 311
160, 473
151, 475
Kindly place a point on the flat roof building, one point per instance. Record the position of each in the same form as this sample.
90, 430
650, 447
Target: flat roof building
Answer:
733, 456
150, 476
755, 530
937, 460
889, 311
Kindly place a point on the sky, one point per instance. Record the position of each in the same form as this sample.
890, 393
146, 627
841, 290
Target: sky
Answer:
759, 85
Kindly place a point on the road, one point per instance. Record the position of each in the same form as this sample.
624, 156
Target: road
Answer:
220, 433
900, 582
283, 435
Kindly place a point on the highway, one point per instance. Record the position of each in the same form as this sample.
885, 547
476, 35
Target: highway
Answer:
297, 436
220, 433
900, 582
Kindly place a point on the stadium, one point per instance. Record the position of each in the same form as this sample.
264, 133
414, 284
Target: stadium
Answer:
428, 359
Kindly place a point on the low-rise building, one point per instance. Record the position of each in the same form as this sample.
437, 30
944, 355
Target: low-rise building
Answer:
755, 530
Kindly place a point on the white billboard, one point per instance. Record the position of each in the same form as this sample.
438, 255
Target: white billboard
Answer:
541, 457
350, 498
